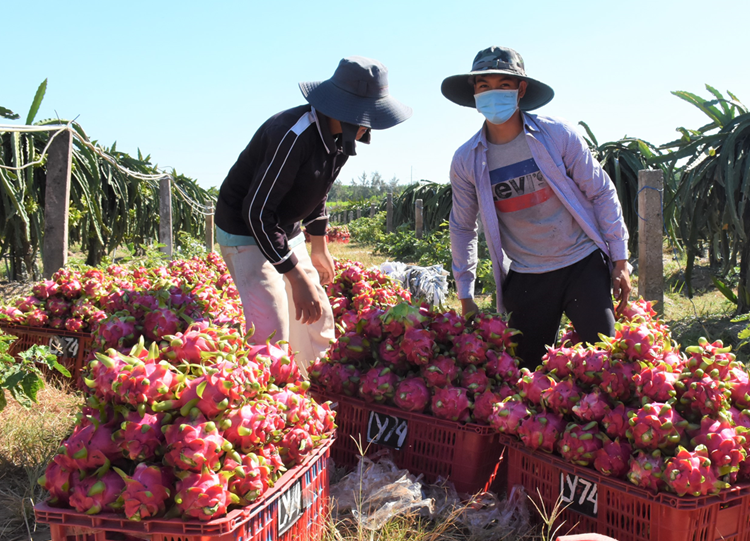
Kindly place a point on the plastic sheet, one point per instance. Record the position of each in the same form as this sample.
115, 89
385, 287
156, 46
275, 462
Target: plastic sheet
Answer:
427, 283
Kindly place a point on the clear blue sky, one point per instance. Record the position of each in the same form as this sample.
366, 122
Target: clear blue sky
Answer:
189, 82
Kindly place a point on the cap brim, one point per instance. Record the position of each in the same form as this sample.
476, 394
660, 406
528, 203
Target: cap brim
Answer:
457, 89
375, 113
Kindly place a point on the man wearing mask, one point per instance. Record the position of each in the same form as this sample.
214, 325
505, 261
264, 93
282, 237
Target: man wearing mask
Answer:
546, 204
283, 178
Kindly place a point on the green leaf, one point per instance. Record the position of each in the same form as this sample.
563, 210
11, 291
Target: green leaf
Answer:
31, 385
7, 113
60, 368
725, 290
37, 102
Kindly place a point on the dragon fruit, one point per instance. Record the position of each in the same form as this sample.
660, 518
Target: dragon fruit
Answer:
161, 322
739, 383
637, 341
613, 459
350, 347
508, 415
139, 438
252, 476
37, 318
451, 403
391, 354
495, 331
541, 431
447, 327
469, 348
418, 345
709, 356
146, 492
71, 289
655, 384
561, 397
378, 384
212, 394
58, 306
116, 331
617, 379
203, 495
593, 406
441, 372
484, 403
656, 426
639, 308
502, 367
194, 442
579, 444
293, 404
474, 379
57, 481
188, 346
647, 470
253, 425
74, 324
724, 445
45, 289
412, 395
344, 378
94, 494
56, 323
691, 473
533, 384
615, 422
588, 364
28, 303
569, 336
295, 445
400, 316
145, 382
89, 447
557, 361
699, 394
282, 366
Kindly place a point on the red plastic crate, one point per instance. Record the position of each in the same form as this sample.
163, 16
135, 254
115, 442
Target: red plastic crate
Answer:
304, 489
623, 511
469, 455
71, 348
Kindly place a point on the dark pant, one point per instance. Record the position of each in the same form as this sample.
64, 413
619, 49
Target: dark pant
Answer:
537, 301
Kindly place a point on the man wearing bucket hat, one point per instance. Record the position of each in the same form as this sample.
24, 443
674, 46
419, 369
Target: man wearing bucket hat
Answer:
283, 178
551, 216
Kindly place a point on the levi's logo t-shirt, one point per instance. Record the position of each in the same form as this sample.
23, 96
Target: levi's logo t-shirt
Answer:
538, 233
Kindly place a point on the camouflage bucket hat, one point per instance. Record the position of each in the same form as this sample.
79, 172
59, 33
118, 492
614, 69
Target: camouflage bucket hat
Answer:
502, 61
358, 94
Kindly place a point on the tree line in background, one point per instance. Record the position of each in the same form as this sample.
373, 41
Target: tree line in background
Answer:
364, 188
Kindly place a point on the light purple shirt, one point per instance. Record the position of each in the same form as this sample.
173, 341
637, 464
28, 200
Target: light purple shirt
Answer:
571, 171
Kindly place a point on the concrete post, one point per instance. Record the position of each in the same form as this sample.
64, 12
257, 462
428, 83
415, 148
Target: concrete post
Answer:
373, 210
359, 213
650, 237
56, 203
210, 229
389, 214
418, 218
351, 215
165, 214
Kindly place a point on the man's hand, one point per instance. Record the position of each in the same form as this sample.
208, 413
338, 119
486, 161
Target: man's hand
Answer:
321, 259
305, 297
621, 285
469, 308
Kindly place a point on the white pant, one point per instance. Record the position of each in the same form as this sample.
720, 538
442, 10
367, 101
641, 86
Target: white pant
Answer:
267, 302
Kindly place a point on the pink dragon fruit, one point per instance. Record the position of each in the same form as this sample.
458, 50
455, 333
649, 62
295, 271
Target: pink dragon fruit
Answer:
451, 403
400, 316
639, 308
502, 366
74, 324
561, 397
412, 395
508, 415
613, 459
673, 359
474, 379
194, 442
615, 422
295, 445
533, 384
203, 495
251, 477
94, 494
391, 354
656, 426
282, 366
541, 431
140, 437
617, 379
56, 323
647, 470
485, 402
37, 318
593, 406
57, 480
350, 347
655, 384
699, 394
188, 346
146, 492
344, 378
146, 382
447, 327
71, 289
579, 444
293, 405
637, 341
11, 314
691, 473
116, 331
495, 331
253, 425
58, 306
588, 364
724, 445
709, 356
28, 303
469, 348
740, 386
441, 372
569, 336
557, 361
418, 345
378, 384
45, 289
371, 323
89, 447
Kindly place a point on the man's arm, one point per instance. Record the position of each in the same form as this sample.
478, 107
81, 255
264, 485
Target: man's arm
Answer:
463, 232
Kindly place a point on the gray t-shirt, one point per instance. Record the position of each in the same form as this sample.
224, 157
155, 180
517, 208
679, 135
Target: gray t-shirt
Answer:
539, 234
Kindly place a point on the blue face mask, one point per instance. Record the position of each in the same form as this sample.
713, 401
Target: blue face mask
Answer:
497, 105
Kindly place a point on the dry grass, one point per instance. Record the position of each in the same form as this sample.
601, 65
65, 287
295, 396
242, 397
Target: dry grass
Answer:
28, 440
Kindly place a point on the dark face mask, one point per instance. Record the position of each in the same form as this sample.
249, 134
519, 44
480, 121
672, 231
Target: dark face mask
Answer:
349, 138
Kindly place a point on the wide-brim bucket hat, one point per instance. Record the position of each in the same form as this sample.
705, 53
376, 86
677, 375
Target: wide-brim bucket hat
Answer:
501, 61
358, 94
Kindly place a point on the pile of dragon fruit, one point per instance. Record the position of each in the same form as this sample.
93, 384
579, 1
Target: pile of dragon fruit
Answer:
420, 360
186, 427
635, 407
122, 301
334, 233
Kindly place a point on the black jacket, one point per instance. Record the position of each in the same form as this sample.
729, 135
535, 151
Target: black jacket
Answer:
281, 178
